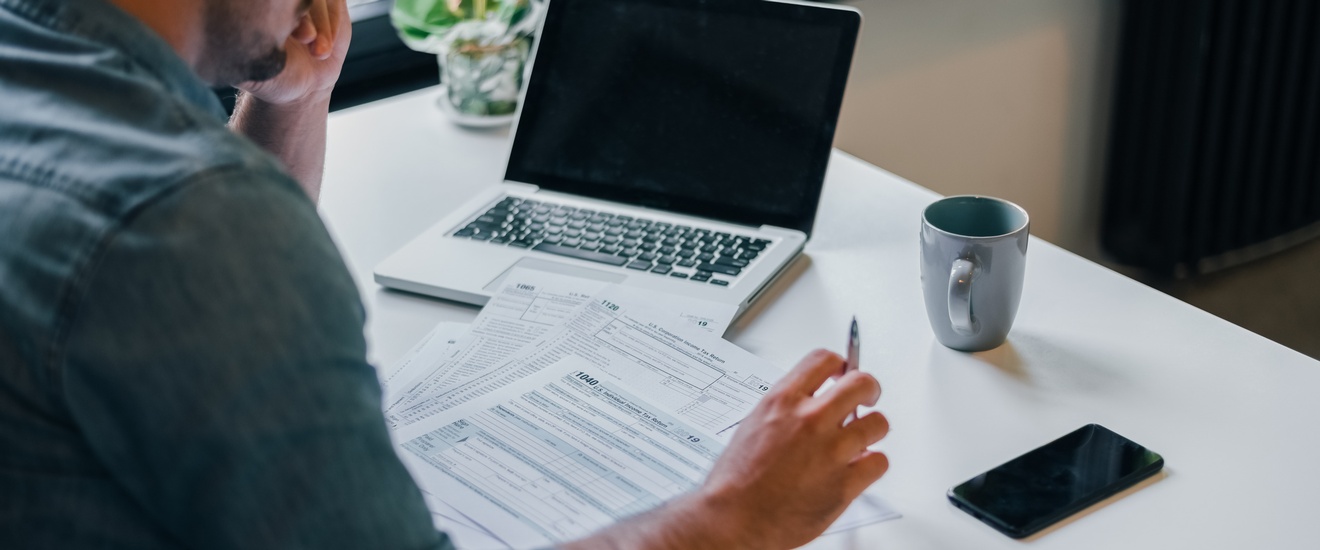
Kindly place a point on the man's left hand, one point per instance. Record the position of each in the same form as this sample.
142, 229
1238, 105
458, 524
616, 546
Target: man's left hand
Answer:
316, 51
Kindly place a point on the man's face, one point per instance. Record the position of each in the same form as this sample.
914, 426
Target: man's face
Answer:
245, 39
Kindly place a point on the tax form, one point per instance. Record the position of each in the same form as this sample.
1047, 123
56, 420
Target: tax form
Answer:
532, 310
619, 332
571, 449
529, 303
421, 359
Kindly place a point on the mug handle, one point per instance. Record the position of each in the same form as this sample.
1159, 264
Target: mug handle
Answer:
960, 296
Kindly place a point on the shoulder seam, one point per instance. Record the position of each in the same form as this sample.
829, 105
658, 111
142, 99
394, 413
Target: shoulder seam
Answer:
74, 290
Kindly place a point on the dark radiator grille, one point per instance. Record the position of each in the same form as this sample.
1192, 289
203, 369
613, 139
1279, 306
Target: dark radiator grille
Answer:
1214, 141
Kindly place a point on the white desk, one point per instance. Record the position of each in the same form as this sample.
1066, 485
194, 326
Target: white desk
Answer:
1232, 413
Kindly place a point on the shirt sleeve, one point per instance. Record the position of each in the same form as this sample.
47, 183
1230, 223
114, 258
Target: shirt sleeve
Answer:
216, 364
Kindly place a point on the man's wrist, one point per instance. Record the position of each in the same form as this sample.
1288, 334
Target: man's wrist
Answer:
706, 520
719, 522
316, 102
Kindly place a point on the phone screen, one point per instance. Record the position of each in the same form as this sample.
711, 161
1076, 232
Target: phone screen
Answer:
1045, 485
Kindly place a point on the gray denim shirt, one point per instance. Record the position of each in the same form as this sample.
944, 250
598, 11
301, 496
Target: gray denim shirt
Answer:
182, 362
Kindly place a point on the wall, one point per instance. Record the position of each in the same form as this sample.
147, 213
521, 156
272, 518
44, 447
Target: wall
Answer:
999, 97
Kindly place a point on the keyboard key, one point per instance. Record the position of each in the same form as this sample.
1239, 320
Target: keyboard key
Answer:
661, 269
611, 240
720, 282
679, 275
731, 262
706, 257
521, 243
466, 232
686, 263
572, 241
647, 256
718, 268
577, 225
580, 254
667, 260
610, 249
500, 240
640, 265
686, 253
701, 278
553, 239
573, 233
667, 250
748, 255
593, 245
630, 252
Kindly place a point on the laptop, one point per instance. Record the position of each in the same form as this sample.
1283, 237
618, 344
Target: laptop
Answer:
674, 145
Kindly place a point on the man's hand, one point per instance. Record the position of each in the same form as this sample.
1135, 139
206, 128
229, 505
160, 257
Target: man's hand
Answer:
315, 51
793, 467
790, 471
286, 115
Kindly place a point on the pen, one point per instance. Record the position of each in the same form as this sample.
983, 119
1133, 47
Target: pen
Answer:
854, 351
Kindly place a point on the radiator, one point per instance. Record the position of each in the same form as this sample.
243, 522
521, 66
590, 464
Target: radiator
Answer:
1213, 146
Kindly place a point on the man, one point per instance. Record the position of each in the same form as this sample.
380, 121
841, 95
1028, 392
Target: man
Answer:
182, 361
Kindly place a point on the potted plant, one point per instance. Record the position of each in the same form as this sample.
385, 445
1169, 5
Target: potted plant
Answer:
482, 48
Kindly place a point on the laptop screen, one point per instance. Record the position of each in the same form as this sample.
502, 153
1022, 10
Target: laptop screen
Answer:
719, 108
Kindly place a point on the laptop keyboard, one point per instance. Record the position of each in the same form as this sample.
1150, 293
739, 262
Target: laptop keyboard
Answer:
699, 255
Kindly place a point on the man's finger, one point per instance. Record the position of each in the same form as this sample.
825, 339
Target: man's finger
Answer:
325, 30
864, 432
306, 31
811, 372
852, 390
866, 469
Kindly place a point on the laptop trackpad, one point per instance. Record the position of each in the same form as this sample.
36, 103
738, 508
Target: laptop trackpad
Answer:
556, 267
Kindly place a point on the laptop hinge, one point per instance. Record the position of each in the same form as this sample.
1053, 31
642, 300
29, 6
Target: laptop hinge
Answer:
521, 186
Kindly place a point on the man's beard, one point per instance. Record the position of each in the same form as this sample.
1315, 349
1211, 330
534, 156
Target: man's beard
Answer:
239, 53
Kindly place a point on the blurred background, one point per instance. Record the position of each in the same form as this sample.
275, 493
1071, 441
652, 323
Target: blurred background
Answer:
1174, 141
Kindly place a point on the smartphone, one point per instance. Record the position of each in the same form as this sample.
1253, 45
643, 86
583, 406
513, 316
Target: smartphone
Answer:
1062, 477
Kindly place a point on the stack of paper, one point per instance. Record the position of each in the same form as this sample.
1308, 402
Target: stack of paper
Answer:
570, 404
